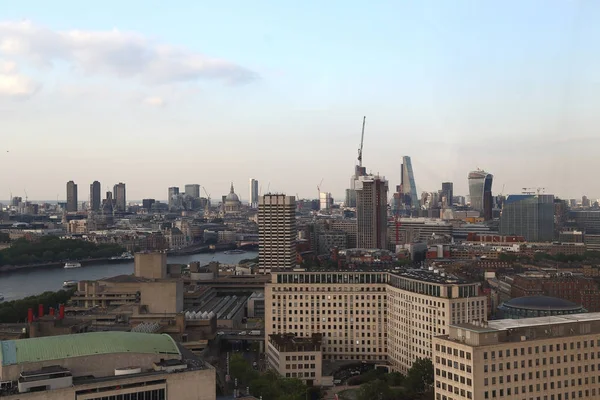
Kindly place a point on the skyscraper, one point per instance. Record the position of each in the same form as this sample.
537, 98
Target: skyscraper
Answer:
253, 195
480, 191
528, 215
325, 201
95, 196
173, 192
71, 196
276, 232
447, 192
350, 200
371, 212
192, 190
120, 197
408, 186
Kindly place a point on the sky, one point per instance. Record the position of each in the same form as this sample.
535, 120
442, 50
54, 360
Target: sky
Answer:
158, 94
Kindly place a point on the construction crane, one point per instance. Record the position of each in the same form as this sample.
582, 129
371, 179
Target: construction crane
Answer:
533, 190
362, 138
319, 189
207, 195
26, 196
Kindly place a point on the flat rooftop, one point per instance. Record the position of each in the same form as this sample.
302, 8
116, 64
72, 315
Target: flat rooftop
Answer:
291, 343
506, 324
426, 275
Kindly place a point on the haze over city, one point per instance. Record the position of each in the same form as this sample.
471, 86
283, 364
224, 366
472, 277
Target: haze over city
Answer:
214, 92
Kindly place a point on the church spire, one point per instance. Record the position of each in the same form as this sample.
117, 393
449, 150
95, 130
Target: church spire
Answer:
231, 191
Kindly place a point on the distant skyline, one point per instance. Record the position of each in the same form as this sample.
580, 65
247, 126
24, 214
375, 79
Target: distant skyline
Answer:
212, 92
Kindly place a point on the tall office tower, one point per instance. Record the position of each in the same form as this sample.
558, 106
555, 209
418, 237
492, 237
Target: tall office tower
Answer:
350, 200
530, 216
147, 204
276, 232
480, 191
408, 186
448, 193
371, 212
173, 192
192, 190
95, 196
253, 193
119, 195
325, 201
71, 196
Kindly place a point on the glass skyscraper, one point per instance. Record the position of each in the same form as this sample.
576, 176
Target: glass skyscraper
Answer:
530, 216
480, 191
407, 184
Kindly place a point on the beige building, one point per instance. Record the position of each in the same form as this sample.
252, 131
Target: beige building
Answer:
373, 316
103, 365
295, 357
277, 232
545, 358
371, 212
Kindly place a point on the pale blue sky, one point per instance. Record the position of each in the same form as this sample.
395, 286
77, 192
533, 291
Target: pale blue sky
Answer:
212, 92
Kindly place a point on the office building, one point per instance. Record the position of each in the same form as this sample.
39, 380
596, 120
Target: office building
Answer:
325, 201
553, 357
71, 196
447, 194
276, 232
95, 196
296, 357
192, 190
480, 192
408, 187
173, 196
371, 212
103, 365
373, 316
530, 216
350, 200
253, 193
147, 204
120, 197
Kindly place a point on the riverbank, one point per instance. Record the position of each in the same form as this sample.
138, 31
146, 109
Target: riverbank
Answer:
89, 261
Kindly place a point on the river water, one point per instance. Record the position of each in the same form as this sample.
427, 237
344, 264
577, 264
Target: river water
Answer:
27, 282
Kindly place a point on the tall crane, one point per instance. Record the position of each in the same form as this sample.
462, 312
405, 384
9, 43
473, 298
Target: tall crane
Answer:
319, 189
362, 138
534, 190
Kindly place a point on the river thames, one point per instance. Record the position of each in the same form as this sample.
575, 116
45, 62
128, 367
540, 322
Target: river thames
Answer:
27, 282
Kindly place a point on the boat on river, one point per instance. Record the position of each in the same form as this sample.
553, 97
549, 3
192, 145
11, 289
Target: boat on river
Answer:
234, 251
70, 265
69, 284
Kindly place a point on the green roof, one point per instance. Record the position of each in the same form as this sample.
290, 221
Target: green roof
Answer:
84, 345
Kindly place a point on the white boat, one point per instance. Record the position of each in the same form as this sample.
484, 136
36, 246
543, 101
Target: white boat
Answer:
237, 251
70, 265
69, 284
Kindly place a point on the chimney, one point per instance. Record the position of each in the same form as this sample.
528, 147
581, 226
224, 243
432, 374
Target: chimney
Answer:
51, 311
61, 311
40, 311
30, 315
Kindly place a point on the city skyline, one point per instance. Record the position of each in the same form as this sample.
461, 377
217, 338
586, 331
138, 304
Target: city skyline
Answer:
497, 86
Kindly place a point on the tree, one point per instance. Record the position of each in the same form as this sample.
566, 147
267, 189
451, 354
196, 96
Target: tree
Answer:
420, 375
375, 390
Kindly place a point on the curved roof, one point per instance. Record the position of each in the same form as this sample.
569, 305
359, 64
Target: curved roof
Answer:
542, 303
84, 345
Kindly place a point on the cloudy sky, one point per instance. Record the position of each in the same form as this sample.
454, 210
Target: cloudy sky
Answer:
158, 94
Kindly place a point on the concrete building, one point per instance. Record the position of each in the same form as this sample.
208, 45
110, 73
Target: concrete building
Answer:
514, 359
329, 239
277, 232
95, 196
530, 216
371, 212
348, 226
325, 201
192, 190
120, 197
173, 196
373, 316
253, 193
296, 357
103, 365
71, 196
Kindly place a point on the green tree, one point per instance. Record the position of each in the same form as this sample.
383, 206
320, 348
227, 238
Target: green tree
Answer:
420, 375
375, 390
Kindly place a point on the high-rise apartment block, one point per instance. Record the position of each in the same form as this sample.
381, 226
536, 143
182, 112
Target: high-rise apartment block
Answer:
370, 315
480, 191
192, 190
530, 216
253, 193
325, 201
371, 212
553, 357
447, 194
277, 232
71, 196
120, 197
95, 196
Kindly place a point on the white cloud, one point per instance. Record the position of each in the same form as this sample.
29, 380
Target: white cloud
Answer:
13, 84
122, 54
154, 101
